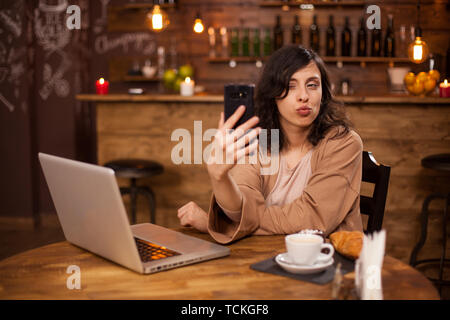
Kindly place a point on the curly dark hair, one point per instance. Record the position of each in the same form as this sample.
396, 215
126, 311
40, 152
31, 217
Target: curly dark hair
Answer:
274, 81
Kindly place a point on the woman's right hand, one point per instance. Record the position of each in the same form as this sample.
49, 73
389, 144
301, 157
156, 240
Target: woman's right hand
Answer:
229, 146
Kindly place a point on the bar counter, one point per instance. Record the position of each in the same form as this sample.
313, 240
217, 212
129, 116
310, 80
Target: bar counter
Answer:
398, 130
395, 99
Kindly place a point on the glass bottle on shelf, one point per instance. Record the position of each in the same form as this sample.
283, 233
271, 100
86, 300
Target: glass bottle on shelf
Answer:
235, 42
296, 32
246, 43
376, 43
389, 40
403, 49
161, 61
267, 43
173, 53
362, 39
346, 41
224, 38
331, 39
278, 40
314, 35
256, 43
212, 42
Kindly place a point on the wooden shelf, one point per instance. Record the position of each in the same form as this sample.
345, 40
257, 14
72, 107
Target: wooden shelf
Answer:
140, 79
325, 59
147, 6
365, 59
315, 3
237, 59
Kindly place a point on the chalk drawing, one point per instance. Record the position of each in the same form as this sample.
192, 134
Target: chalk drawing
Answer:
142, 42
55, 81
11, 61
100, 23
52, 33
53, 36
6, 103
15, 27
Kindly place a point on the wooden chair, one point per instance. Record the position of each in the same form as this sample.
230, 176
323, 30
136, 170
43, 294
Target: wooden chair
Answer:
377, 174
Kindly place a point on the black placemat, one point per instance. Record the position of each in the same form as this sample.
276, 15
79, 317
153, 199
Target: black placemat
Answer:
324, 277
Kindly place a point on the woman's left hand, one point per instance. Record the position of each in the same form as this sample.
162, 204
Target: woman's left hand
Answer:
191, 215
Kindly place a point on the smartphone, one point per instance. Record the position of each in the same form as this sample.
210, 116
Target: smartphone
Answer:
237, 95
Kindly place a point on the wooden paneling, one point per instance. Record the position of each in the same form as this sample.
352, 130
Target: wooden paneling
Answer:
398, 135
194, 48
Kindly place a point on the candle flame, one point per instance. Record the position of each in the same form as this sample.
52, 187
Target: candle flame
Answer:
445, 82
101, 81
187, 80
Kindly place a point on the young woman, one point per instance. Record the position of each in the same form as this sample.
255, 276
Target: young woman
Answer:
318, 181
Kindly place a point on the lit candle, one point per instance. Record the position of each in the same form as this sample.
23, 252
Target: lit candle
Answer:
187, 87
102, 86
444, 89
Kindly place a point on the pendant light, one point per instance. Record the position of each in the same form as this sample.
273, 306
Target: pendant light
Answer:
418, 49
198, 24
157, 19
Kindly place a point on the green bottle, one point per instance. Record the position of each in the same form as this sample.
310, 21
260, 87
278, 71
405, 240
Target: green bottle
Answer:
246, 43
256, 44
235, 42
267, 43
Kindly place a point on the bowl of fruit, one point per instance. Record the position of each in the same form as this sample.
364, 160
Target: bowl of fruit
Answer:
423, 83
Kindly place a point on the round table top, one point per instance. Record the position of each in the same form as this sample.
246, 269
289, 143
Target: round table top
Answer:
42, 274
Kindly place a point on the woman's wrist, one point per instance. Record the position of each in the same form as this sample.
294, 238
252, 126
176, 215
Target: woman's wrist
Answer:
217, 177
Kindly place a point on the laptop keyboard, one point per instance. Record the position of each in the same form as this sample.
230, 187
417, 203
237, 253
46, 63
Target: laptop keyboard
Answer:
149, 251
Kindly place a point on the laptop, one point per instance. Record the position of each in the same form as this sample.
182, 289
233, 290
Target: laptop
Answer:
92, 215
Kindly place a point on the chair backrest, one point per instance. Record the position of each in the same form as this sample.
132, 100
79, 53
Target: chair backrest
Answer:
377, 174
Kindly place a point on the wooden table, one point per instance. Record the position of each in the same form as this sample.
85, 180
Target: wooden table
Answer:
41, 274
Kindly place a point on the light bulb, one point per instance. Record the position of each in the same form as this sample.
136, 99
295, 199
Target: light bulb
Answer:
157, 19
198, 25
418, 49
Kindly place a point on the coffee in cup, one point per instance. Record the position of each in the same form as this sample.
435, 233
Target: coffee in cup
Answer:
305, 249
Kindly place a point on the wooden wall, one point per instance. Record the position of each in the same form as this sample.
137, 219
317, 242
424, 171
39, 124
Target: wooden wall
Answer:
193, 48
398, 135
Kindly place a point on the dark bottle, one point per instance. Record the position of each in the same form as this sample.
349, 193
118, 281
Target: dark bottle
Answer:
362, 39
278, 40
235, 42
376, 43
314, 35
267, 43
246, 43
331, 39
389, 40
296, 32
256, 43
346, 40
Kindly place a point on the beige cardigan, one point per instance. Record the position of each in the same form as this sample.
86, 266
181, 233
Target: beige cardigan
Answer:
329, 202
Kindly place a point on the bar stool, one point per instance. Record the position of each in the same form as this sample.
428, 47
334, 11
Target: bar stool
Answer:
134, 169
440, 162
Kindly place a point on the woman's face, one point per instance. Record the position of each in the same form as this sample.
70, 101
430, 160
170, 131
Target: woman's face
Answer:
302, 104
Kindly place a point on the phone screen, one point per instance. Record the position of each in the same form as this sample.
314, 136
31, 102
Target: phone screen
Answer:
237, 95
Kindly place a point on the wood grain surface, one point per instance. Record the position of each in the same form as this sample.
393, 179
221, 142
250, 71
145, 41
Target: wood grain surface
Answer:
398, 134
41, 274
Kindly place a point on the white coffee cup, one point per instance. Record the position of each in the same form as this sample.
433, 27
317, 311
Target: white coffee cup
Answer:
305, 249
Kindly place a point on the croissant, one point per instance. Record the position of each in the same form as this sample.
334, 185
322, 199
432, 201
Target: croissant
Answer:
348, 243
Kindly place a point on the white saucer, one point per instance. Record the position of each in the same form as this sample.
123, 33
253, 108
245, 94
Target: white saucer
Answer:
287, 264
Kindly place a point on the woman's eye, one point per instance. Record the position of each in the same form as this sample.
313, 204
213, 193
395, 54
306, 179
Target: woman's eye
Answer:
292, 85
313, 85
